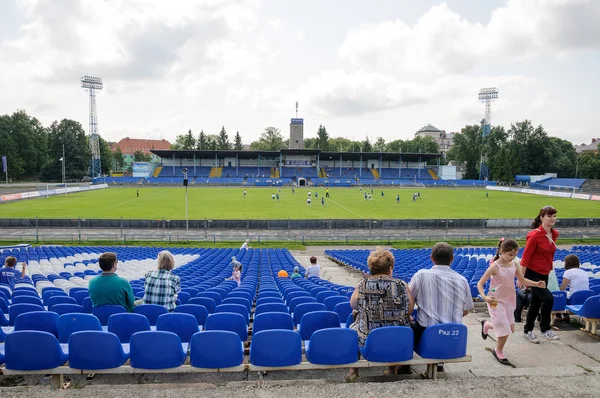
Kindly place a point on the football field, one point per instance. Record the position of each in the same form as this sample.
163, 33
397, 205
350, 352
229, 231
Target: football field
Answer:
228, 203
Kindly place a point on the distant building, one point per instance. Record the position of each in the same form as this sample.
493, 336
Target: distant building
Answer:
443, 139
130, 145
593, 147
296, 134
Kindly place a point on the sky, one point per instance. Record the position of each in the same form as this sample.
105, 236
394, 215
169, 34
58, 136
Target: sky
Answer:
362, 68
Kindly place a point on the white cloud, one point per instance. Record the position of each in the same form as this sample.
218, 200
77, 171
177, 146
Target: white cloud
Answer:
275, 24
442, 41
300, 35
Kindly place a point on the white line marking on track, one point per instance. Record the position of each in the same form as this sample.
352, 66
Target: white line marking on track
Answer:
345, 208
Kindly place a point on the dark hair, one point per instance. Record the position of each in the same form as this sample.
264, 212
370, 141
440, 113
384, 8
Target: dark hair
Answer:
380, 261
545, 211
107, 261
505, 245
571, 261
313, 260
442, 253
10, 261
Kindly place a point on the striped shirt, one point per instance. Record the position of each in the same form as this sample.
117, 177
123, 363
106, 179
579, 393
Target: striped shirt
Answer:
441, 295
161, 288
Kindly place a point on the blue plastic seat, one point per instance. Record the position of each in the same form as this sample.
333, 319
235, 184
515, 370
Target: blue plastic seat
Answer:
184, 297
150, 311
80, 296
272, 320
325, 295
33, 350
27, 300
241, 294
43, 321
317, 320
235, 308
239, 300
344, 310
74, 290
198, 311
228, 321
62, 309
300, 300
560, 301
46, 294
589, 309
579, 297
295, 294
305, 308
444, 341
102, 312
71, 323
216, 349
331, 302
3, 319
126, 324
213, 295
17, 309
24, 292
86, 304
268, 300
3, 306
156, 350
276, 348
183, 325
93, 350
52, 301
270, 307
206, 302
333, 347
378, 348
595, 289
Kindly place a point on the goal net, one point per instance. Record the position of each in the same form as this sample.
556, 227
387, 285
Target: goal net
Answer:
563, 188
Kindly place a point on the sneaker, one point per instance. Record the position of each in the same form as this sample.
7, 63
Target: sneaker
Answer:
531, 337
549, 334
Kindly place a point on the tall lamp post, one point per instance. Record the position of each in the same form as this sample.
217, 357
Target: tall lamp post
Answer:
185, 184
62, 160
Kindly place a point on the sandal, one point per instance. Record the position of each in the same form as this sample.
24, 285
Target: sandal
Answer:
483, 334
503, 361
351, 378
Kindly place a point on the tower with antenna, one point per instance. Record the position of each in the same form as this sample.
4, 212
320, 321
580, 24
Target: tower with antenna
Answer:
487, 96
93, 84
296, 132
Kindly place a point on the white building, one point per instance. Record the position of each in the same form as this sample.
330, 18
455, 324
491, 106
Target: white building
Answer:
443, 139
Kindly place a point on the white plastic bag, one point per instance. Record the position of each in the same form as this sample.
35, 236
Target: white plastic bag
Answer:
552, 284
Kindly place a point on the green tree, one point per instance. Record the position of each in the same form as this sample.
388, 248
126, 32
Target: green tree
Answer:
366, 145
139, 156
467, 149
118, 159
270, 140
322, 138
379, 145
310, 143
184, 142
588, 165
77, 153
106, 157
9, 148
223, 143
340, 144
211, 142
238, 145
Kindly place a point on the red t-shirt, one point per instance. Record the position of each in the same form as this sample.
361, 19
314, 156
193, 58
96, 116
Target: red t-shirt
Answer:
539, 251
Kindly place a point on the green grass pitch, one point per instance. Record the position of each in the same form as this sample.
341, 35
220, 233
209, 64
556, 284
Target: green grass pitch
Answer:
227, 203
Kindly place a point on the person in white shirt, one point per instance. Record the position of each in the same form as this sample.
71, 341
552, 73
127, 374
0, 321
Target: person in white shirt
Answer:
245, 245
574, 278
313, 269
442, 294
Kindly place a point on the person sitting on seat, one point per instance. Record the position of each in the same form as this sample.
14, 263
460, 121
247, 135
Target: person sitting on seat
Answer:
379, 300
313, 269
162, 286
109, 288
575, 279
8, 273
296, 273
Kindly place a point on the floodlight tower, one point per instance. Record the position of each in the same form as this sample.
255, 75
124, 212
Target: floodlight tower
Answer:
487, 96
93, 84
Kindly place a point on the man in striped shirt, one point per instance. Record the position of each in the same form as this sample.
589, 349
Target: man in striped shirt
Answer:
442, 295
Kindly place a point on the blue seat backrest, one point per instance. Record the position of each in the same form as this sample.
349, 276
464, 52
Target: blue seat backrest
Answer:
61, 309
150, 311
80, 296
444, 341
270, 307
276, 348
268, 300
235, 308
591, 307
87, 304
378, 348
71, 323
228, 321
343, 310
206, 302
333, 347
156, 350
183, 325
305, 308
94, 350
51, 293
43, 321
300, 300
213, 295
325, 294
33, 350
579, 297
239, 300
560, 301
331, 302
216, 349
17, 309
52, 301
102, 312
27, 300
126, 324
184, 297
198, 311
272, 320
317, 320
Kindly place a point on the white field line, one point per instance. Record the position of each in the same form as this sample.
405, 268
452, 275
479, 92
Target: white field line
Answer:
345, 208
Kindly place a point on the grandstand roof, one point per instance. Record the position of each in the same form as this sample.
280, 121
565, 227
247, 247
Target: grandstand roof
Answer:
305, 152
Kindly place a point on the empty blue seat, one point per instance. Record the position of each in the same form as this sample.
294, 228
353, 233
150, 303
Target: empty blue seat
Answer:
326, 294
443, 341
317, 320
276, 348
560, 301
239, 300
213, 295
184, 297
183, 325
268, 300
3, 306
589, 309
33, 350
198, 311
332, 301
17, 309
206, 302
150, 311
51, 293
52, 301
71, 323
305, 308
300, 300
61, 309
102, 312
27, 300
344, 310
3, 319
25, 292
241, 294
270, 307
595, 289
43, 321
228, 321
333, 347
579, 297
378, 348
80, 296
272, 320
126, 324
93, 350
216, 349
156, 350
235, 308
74, 290
87, 304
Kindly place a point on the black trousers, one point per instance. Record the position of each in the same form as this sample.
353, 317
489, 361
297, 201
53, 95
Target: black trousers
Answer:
523, 300
541, 303
418, 331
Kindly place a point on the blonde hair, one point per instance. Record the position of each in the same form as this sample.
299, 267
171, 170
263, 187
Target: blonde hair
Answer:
166, 260
380, 261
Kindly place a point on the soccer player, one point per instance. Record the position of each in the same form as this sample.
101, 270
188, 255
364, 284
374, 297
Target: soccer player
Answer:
293, 191
369, 197
382, 193
419, 194
137, 193
244, 195
277, 197
322, 201
316, 194
397, 198
365, 192
487, 194
309, 194
273, 196
327, 193
308, 202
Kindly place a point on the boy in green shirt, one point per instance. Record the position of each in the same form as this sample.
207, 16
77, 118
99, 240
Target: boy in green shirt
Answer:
109, 288
296, 273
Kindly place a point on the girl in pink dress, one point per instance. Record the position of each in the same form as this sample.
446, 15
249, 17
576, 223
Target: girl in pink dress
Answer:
501, 297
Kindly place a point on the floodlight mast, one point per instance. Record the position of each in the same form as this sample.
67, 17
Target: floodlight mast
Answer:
487, 96
92, 84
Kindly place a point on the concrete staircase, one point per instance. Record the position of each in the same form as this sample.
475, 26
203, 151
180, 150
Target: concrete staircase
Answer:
375, 174
157, 171
433, 174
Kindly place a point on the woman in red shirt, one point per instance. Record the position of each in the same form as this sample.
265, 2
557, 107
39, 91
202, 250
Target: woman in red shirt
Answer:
536, 261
